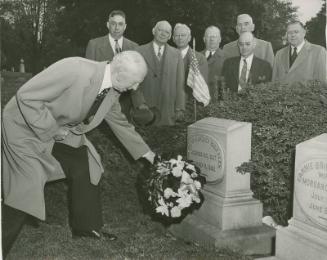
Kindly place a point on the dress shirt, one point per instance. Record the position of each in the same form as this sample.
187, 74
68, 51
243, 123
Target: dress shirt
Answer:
184, 51
208, 53
113, 43
298, 48
106, 82
156, 48
249, 60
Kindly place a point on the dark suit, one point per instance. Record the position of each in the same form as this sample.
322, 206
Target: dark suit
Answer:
260, 72
99, 49
163, 86
203, 67
215, 65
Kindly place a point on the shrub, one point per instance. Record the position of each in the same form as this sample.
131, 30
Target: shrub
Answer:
281, 115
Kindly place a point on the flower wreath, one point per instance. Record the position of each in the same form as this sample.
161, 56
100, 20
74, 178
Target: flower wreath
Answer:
174, 185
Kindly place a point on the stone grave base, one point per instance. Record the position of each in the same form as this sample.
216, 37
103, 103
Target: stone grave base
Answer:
257, 240
294, 244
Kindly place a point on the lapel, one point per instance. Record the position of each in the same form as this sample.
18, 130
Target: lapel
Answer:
301, 56
254, 70
125, 44
106, 48
218, 55
235, 69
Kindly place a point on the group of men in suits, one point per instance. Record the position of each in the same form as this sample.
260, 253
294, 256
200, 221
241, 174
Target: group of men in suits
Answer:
308, 62
164, 87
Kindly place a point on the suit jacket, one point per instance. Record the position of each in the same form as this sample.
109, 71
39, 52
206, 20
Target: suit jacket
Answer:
260, 72
163, 86
59, 96
99, 49
310, 64
263, 50
215, 65
203, 67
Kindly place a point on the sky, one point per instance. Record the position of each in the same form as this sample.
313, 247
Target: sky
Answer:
307, 8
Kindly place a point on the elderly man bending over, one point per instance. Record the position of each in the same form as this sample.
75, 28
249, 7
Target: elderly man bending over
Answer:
43, 134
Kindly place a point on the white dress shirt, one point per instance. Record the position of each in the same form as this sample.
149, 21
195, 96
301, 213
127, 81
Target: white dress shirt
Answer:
113, 43
184, 51
106, 82
298, 48
208, 53
156, 49
249, 60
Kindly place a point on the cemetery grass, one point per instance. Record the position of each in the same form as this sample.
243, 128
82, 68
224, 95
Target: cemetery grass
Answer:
139, 236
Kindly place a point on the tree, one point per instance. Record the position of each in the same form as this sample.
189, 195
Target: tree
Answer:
316, 27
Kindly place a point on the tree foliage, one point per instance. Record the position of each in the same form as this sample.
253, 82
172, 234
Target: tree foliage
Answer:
316, 27
65, 26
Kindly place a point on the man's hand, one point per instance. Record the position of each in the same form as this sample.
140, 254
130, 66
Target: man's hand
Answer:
62, 133
179, 115
149, 156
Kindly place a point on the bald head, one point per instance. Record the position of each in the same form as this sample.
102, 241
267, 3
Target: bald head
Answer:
246, 43
244, 24
161, 32
128, 69
212, 38
181, 35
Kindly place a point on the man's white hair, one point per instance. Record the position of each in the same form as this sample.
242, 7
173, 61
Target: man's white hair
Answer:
246, 16
212, 27
184, 26
129, 63
161, 22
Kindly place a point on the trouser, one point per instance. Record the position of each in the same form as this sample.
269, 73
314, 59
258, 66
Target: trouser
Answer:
84, 197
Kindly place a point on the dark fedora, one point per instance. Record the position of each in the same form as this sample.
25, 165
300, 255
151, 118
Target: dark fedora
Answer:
145, 117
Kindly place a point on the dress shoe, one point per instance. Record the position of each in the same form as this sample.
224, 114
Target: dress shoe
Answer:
94, 234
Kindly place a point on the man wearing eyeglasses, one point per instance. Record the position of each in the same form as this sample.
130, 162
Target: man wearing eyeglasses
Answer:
106, 47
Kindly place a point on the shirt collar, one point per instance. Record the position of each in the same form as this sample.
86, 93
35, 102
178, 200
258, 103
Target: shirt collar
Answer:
249, 59
299, 47
113, 42
184, 51
106, 82
208, 52
156, 47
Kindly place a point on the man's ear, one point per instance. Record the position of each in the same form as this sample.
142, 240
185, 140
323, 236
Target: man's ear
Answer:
107, 24
252, 27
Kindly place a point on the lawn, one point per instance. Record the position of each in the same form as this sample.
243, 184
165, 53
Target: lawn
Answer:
139, 237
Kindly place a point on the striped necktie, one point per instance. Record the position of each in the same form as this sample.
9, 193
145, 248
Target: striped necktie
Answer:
96, 104
117, 47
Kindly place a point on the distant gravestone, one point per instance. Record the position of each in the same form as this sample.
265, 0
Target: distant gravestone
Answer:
305, 237
230, 215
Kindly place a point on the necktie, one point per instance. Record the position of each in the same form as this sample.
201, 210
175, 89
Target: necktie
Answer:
159, 53
96, 104
209, 56
117, 47
293, 56
243, 74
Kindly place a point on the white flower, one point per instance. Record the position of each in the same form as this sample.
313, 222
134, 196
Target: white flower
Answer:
185, 201
186, 178
175, 212
194, 175
177, 171
196, 198
168, 192
183, 190
163, 209
197, 185
190, 167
